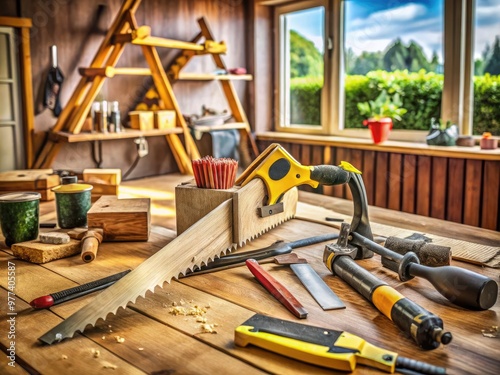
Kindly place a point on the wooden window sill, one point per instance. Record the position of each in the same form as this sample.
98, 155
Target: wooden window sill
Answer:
387, 146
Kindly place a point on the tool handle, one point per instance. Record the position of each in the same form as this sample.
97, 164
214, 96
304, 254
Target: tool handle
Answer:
90, 245
424, 327
277, 289
462, 287
329, 175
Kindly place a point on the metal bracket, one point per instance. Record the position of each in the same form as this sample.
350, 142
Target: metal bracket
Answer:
270, 210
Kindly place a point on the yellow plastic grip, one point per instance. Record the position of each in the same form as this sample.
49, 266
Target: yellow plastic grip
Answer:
384, 298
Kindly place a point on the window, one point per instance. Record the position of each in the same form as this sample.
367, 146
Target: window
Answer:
417, 48
486, 114
301, 64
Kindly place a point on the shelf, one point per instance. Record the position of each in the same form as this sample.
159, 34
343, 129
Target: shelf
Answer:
67, 137
214, 77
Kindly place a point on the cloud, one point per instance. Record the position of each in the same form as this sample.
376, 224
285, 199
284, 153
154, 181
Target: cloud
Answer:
398, 15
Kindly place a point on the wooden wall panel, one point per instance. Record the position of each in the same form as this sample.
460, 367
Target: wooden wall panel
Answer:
368, 169
439, 178
423, 186
455, 191
409, 178
472, 194
394, 182
382, 179
490, 212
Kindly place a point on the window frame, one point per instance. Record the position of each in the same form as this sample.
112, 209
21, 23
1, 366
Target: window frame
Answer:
457, 97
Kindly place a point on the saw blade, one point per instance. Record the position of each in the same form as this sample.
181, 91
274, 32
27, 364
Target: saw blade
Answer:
184, 252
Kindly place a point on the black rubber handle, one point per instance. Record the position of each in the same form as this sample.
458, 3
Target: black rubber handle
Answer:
329, 175
460, 286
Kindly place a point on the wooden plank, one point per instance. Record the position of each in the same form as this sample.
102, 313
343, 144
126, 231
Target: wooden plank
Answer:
455, 190
28, 179
381, 183
110, 71
439, 182
423, 187
409, 186
38, 252
490, 210
369, 170
16, 22
154, 41
394, 178
213, 77
472, 194
126, 134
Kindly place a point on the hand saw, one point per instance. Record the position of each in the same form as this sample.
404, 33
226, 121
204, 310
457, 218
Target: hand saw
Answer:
189, 249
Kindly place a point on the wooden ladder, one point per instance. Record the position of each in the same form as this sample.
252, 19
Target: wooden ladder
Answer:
123, 31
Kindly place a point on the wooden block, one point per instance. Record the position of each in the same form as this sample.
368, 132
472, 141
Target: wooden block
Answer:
142, 120
164, 119
193, 203
37, 180
110, 176
103, 189
121, 219
38, 252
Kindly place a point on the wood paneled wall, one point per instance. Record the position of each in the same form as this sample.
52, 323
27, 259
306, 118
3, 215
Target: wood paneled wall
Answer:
78, 27
465, 191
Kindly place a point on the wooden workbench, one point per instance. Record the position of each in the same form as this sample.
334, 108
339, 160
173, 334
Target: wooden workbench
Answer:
158, 342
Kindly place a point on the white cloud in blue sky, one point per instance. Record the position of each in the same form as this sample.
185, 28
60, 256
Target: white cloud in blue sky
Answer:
372, 25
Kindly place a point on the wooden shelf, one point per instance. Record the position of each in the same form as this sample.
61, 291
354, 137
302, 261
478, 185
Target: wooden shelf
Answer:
226, 126
214, 77
128, 133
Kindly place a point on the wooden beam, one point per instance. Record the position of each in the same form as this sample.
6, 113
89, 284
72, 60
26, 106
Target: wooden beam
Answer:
155, 41
16, 22
111, 71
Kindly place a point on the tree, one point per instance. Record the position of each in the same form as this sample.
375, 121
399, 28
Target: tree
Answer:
305, 59
492, 66
401, 57
367, 62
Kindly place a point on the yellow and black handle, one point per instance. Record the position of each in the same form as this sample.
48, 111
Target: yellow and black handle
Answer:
424, 327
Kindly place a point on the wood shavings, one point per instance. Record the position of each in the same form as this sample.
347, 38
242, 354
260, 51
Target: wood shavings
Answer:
119, 339
103, 337
64, 356
141, 349
491, 332
110, 366
195, 311
208, 328
96, 353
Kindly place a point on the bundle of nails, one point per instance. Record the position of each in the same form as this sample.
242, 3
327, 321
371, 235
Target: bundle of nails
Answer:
214, 173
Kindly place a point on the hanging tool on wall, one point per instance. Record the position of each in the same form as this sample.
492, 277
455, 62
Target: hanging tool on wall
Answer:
325, 347
53, 84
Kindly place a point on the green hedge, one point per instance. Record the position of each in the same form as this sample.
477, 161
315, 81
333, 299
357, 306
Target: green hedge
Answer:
420, 92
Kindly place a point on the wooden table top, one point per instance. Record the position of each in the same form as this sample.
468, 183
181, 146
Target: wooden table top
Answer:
159, 342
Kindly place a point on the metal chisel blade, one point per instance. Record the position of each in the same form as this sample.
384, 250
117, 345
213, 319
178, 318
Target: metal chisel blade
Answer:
315, 285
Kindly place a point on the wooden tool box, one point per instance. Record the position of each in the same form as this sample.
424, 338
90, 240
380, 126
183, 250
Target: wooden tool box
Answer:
37, 180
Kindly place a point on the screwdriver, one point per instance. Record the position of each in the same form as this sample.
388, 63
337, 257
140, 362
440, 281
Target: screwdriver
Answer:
425, 328
462, 287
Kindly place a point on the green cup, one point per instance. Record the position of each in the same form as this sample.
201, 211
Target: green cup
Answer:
72, 203
19, 214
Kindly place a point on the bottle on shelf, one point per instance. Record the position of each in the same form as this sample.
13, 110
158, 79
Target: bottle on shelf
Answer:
114, 118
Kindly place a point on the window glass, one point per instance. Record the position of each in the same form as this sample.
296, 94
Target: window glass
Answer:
396, 46
486, 115
302, 40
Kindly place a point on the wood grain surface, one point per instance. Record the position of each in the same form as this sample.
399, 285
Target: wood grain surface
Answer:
156, 341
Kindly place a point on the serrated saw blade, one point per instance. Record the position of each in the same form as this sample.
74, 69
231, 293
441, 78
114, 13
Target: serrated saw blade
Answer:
184, 252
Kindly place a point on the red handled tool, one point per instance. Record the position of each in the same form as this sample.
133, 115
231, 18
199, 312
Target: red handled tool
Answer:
276, 289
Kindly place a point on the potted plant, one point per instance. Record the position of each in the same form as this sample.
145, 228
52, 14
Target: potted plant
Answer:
380, 113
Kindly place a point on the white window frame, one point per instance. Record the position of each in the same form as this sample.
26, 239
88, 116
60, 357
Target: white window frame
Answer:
456, 103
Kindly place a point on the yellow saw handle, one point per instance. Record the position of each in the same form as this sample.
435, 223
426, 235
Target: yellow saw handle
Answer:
281, 172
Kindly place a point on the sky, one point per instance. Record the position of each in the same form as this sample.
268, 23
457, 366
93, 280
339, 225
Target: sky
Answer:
371, 25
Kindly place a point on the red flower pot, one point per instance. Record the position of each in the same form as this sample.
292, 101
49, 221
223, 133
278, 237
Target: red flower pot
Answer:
380, 128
